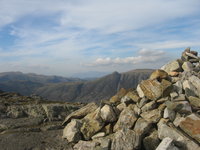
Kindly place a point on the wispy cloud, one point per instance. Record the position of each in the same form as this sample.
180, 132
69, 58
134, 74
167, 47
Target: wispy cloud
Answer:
64, 33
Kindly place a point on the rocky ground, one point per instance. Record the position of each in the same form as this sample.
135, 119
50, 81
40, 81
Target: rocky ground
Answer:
163, 113
31, 123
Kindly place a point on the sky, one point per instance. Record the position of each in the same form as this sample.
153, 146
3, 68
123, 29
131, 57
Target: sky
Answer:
67, 37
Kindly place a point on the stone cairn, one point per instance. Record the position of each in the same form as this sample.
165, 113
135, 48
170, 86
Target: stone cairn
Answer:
163, 113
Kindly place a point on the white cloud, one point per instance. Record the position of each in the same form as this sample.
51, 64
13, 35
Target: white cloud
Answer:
145, 56
96, 21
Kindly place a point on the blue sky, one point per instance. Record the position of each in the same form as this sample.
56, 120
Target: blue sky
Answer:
65, 37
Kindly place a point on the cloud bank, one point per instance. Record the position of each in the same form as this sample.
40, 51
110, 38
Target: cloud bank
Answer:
145, 56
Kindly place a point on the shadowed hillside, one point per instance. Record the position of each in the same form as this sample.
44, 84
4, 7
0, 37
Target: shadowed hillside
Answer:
95, 90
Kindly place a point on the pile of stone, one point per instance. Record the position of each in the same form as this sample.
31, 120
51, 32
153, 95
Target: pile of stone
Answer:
163, 113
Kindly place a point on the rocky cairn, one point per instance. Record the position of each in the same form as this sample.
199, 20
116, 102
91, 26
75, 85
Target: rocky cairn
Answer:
163, 113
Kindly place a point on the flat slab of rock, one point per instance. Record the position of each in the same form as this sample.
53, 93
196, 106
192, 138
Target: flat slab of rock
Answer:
152, 116
167, 144
191, 125
80, 113
172, 66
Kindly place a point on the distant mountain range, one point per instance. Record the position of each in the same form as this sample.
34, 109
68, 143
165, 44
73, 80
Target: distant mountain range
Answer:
71, 89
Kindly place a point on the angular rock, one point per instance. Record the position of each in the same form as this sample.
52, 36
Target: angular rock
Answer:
187, 66
196, 82
178, 87
191, 125
165, 131
140, 92
142, 102
180, 107
142, 127
152, 116
172, 66
126, 100
108, 129
98, 135
169, 114
121, 107
133, 95
149, 106
194, 101
159, 75
80, 113
92, 123
126, 119
167, 144
72, 131
108, 114
173, 95
190, 89
191, 55
153, 89
173, 73
125, 139
96, 144
152, 141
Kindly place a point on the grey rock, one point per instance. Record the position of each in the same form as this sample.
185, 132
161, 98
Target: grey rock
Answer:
92, 123
194, 101
172, 66
126, 119
108, 114
142, 127
149, 106
165, 131
72, 131
169, 114
167, 144
152, 141
125, 139
80, 113
187, 66
98, 135
152, 116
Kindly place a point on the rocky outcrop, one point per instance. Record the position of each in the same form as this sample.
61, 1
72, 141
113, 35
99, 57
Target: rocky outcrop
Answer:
34, 123
163, 113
